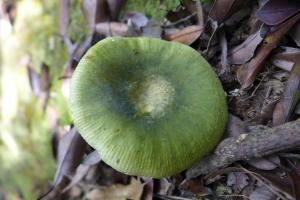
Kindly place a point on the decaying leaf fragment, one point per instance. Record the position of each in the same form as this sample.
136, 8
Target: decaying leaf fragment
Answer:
291, 95
187, 36
246, 73
245, 51
223, 9
275, 12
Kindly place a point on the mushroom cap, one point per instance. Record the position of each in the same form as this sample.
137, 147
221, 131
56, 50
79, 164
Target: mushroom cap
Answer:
149, 107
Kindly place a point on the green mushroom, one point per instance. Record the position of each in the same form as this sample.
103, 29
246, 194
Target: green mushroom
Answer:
149, 107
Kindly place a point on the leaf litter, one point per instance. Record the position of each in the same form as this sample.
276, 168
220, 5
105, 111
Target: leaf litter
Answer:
253, 49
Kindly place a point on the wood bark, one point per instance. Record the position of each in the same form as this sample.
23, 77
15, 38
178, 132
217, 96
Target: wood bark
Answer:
258, 143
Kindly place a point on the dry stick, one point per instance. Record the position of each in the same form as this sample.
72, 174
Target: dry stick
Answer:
254, 145
246, 73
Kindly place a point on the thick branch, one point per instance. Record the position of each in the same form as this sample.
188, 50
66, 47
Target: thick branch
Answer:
247, 146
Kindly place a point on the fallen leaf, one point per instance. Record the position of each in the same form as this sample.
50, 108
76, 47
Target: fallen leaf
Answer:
280, 183
164, 186
235, 126
277, 11
117, 192
80, 49
267, 109
148, 188
296, 180
92, 158
224, 50
71, 149
187, 35
288, 54
246, 73
237, 180
223, 9
238, 16
102, 11
295, 33
283, 64
81, 171
115, 7
297, 109
262, 192
291, 95
89, 9
245, 51
112, 28
289, 99
195, 186
268, 163
64, 17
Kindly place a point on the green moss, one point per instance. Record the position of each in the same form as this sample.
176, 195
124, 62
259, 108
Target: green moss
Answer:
41, 40
153, 9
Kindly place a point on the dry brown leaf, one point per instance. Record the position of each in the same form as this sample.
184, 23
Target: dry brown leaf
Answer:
148, 188
115, 7
118, 192
195, 186
268, 163
81, 171
291, 95
245, 51
246, 73
187, 36
92, 158
89, 9
71, 149
262, 192
277, 11
112, 28
102, 11
295, 33
289, 99
235, 126
223, 9
64, 17
164, 186
237, 180
283, 64
294, 174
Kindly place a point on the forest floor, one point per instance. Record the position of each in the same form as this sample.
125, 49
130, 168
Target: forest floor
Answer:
253, 46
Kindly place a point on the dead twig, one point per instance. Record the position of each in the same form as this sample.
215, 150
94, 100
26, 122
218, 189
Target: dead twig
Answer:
256, 144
